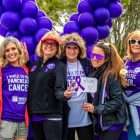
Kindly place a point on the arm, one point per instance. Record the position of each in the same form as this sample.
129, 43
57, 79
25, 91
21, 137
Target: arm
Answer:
60, 82
115, 100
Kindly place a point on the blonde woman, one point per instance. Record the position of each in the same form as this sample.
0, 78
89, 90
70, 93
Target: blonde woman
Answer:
131, 83
108, 106
14, 90
46, 88
74, 58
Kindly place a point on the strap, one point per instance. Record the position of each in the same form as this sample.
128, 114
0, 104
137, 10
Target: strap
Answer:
104, 91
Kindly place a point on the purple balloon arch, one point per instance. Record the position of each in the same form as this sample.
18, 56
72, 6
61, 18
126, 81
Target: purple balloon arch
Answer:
93, 20
24, 20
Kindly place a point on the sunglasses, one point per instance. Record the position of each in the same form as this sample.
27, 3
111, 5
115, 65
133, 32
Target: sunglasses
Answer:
97, 56
134, 42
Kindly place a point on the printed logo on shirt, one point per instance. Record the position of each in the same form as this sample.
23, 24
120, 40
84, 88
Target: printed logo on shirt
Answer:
51, 66
137, 70
19, 100
75, 81
18, 82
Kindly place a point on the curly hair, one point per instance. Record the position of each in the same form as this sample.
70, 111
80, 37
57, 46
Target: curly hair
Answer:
74, 37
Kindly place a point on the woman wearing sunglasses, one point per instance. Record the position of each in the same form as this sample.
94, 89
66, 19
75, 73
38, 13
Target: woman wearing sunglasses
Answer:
108, 104
46, 89
131, 83
77, 120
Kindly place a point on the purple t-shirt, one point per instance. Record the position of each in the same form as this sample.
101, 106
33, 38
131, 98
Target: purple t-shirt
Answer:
14, 93
133, 77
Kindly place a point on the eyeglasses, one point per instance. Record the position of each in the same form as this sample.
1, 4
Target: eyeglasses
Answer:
97, 56
134, 42
52, 44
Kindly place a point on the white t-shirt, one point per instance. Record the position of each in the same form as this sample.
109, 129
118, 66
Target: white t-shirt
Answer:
77, 116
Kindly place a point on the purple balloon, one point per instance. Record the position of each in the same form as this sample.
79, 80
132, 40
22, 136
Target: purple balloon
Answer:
13, 5
103, 31
115, 9
27, 0
114, 0
74, 17
14, 34
28, 26
41, 14
101, 15
40, 33
1, 10
10, 19
90, 35
30, 44
109, 23
84, 6
29, 9
44, 22
3, 30
89, 51
98, 3
86, 19
70, 27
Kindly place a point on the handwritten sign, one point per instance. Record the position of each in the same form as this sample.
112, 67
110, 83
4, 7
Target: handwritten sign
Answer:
89, 84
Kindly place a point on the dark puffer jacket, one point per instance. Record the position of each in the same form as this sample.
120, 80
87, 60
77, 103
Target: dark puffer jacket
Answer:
47, 83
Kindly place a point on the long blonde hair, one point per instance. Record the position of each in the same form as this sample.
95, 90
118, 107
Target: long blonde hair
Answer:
113, 60
22, 57
129, 54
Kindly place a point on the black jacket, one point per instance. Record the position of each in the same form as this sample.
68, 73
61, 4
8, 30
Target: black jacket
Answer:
47, 84
113, 111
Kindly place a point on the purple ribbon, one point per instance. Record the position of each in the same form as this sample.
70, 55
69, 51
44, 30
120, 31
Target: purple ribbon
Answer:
78, 81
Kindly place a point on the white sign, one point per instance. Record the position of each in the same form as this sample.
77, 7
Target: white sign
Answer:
89, 84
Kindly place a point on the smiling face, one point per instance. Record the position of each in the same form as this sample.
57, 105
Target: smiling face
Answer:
97, 57
72, 52
12, 54
49, 49
134, 44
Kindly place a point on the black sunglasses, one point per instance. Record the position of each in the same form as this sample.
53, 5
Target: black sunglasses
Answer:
134, 42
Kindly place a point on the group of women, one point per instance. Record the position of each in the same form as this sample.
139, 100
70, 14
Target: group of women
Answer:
49, 88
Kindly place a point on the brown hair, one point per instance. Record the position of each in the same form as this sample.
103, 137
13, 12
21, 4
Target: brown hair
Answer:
112, 58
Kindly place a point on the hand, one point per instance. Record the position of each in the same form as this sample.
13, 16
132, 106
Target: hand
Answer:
68, 92
124, 82
88, 107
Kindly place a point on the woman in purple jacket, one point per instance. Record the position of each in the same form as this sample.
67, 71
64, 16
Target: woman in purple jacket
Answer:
14, 90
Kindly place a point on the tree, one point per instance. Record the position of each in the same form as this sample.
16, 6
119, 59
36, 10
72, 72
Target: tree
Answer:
128, 22
59, 11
